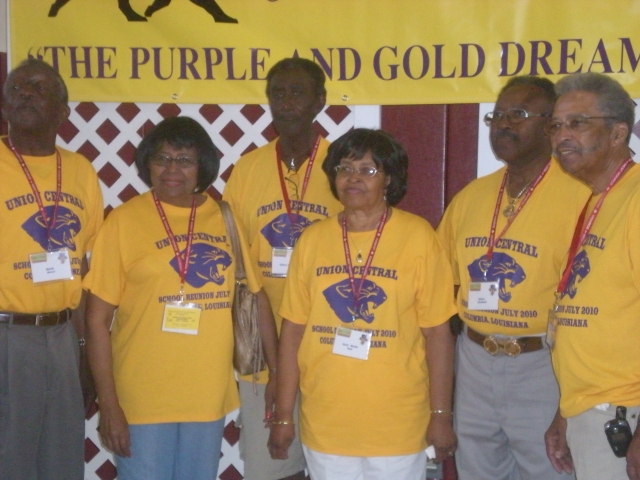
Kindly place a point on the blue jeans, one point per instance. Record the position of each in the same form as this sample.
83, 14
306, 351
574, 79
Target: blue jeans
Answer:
173, 451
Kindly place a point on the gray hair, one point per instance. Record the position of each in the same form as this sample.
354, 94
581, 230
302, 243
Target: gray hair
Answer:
612, 99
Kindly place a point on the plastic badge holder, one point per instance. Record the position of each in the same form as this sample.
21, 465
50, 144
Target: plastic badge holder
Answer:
434, 470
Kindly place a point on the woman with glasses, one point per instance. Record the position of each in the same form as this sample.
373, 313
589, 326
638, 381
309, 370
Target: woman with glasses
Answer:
365, 335
164, 374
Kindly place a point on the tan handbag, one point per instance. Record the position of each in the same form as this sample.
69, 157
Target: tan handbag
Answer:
248, 358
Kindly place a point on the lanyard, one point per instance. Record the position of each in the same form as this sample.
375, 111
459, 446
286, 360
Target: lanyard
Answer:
492, 234
372, 251
36, 193
580, 233
305, 182
183, 261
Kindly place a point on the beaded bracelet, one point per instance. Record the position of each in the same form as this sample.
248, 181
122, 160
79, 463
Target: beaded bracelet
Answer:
283, 422
441, 412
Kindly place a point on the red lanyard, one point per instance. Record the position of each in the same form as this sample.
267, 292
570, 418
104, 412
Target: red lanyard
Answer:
347, 255
36, 193
492, 238
305, 182
183, 261
580, 233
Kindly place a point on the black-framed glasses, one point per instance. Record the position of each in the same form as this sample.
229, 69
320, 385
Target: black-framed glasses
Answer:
573, 123
182, 161
515, 115
346, 170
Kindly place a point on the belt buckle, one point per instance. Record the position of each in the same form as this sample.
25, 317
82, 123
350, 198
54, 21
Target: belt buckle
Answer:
491, 345
38, 319
512, 348
509, 347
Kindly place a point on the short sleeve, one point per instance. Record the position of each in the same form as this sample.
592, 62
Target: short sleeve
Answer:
106, 277
434, 296
296, 300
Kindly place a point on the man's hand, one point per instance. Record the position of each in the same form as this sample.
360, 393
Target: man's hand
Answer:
556, 442
633, 457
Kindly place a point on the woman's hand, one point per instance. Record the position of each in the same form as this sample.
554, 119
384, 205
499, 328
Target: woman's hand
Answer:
114, 430
440, 434
280, 439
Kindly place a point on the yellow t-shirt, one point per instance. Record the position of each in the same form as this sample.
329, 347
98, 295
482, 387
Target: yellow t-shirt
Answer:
526, 260
255, 194
162, 376
596, 354
78, 219
354, 407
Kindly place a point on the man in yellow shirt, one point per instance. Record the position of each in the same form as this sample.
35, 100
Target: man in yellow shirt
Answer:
276, 191
596, 355
50, 211
506, 236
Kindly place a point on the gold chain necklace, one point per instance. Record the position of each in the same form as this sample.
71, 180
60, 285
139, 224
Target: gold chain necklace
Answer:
511, 207
359, 257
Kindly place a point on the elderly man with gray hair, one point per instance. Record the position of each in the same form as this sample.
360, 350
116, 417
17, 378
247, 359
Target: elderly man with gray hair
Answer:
593, 327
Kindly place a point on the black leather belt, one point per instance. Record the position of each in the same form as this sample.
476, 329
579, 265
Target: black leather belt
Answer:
512, 346
35, 319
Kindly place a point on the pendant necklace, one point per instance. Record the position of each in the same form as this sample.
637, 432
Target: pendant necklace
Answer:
292, 164
359, 257
511, 208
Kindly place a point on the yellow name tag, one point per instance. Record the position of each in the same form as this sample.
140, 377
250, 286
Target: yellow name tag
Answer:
181, 317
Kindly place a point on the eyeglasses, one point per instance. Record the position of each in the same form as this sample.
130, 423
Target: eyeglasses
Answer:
361, 172
292, 181
182, 161
573, 123
515, 116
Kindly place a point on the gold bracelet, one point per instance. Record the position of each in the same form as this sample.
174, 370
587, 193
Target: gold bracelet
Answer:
283, 422
441, 412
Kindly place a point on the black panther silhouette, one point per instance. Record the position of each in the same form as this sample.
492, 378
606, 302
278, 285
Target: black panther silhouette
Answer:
123, 5
211, 7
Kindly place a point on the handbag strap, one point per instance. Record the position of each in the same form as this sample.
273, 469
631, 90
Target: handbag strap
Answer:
232, 231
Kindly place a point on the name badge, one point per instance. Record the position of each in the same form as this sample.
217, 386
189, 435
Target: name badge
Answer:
552, 328
352, 343
51, 266
483, 295
280, 259
180, 317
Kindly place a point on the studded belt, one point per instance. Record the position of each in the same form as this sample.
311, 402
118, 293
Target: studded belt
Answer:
512, 346
35, 319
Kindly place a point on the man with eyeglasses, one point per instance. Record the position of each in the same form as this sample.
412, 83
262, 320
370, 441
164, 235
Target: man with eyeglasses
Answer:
276, 191
506, 235
594, 322
50, 210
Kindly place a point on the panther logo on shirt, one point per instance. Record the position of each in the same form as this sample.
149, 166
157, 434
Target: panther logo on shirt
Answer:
340, 299
280, 233
62, 234
502, 267
206, 264
580, 268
